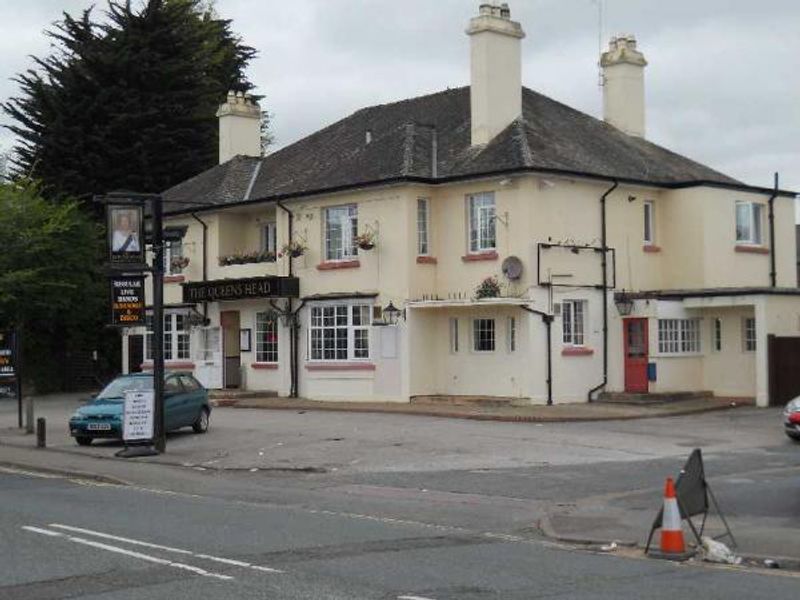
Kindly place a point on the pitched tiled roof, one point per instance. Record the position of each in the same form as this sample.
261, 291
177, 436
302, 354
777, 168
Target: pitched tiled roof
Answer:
407, 137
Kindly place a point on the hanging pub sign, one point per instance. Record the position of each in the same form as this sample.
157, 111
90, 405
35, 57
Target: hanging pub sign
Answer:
125, 224
127, 301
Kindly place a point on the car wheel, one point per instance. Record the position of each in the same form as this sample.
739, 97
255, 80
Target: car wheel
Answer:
201, 423
83, 441
793, 436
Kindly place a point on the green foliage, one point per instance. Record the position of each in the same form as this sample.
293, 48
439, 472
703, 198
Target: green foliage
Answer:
49, 285
129, 101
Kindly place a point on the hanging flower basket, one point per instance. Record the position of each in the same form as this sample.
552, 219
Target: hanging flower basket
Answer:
294, 249
178, 263
488, 288
365, 240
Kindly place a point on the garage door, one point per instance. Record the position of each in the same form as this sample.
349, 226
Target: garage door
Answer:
783, 354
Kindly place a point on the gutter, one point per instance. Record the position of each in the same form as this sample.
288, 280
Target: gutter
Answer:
773, 275
486, 175
604, 266
547, 319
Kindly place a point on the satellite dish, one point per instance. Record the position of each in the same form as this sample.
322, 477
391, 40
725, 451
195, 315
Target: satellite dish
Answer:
512, 268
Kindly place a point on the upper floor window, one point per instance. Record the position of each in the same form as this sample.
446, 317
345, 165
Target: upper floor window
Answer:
341, 229
749, 222
267, 337
339, 332
269, 237
423, 220
173, 257
481, 222
679, 336
511, 334
573, 320
649, 222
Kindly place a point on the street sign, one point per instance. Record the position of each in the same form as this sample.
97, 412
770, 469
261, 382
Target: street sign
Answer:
127, 301
138, 416
125, 223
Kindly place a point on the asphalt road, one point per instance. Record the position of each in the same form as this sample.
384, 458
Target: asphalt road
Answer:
62, 538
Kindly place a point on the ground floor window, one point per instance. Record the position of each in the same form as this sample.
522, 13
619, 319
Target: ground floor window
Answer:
176, 337
483, 338
749, 334
716, 334
679, 336
339, 332
573, 321
267, 337
453, 335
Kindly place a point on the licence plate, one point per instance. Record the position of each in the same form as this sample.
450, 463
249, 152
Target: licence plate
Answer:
98, 427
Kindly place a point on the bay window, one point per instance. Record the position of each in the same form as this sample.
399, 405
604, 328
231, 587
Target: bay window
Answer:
267, 337
176, 337
339, 332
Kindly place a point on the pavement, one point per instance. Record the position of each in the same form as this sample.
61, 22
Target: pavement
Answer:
556, 413
578, 482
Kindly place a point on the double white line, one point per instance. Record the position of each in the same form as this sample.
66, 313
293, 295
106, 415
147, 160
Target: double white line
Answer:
142, 556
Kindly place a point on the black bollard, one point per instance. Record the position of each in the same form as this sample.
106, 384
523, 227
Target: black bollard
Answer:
41, 433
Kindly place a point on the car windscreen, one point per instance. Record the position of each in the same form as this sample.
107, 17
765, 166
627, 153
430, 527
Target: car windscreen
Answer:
118, 387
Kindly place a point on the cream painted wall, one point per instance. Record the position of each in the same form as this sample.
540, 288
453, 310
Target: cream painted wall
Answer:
732, 370
694, 229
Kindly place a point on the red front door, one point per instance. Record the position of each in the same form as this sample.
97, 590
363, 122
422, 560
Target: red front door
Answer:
635, 342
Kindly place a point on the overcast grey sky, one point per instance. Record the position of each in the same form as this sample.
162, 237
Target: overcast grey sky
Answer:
722, 86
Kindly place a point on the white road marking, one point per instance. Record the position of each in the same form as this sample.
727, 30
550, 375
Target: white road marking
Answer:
131, 553
117, 538
42, 531
413, 598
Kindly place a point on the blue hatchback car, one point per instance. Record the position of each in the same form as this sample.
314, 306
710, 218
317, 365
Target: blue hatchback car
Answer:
185, 404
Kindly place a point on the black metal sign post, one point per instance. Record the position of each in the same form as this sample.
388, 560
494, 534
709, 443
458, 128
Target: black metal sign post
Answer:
126, 241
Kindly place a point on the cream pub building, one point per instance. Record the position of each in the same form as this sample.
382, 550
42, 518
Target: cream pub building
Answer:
523, 249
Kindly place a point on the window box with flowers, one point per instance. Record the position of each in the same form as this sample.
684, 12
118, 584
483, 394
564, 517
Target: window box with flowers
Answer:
245, 258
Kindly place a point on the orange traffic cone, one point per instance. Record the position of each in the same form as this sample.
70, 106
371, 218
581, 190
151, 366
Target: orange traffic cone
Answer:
671, 528
672, 543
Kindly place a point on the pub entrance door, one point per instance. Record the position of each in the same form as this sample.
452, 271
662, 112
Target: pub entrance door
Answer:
231, 352
636, 355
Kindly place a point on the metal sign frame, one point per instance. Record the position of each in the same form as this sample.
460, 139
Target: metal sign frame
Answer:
695, 498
